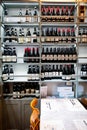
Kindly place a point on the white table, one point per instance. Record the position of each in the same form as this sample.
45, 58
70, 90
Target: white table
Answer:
62, 114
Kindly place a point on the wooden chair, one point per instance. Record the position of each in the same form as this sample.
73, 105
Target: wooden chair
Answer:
84, 102
34, 120
34, 103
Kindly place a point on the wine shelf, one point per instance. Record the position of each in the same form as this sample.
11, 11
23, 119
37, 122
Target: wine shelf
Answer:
46, 15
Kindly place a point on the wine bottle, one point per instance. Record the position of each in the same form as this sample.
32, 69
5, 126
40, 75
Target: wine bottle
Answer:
74, 54
57, 72
67, 14
28, 36
22, 90
11, 73
5, 11
47, 55
26, 55
55, 55
21, 35
14, 55
34, 35
37, 55
19, 91
15, 91
51, 55
43, 55
29, 73
84, 71
35, 19
32, 88
64, 72
60, 70
72, 72
37, 72
9, 55
46, 73
48, 34
5, 73
4, 58
36, 88
42, 38
53, 72
42, 72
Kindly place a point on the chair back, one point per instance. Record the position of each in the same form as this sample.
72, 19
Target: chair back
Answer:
33, 103
34, 120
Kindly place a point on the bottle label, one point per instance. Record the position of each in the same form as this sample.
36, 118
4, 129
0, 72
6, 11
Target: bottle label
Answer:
70, 57
33, 76
21, 40
56, 39
42, 40
8, 58
68, 77
59, 57
11, 76
66, 57
36, 91
5, 77
14, 58
14, 94
43, 57
54, 74
47, 39
48, 57
22, 92
4, 58
28, 39
19, 95
74, 57
52, 39
84, 73
57, 74
55, 57
46, 74
28, 19
35, 19
50, 74
51, 57
37, 76
60, 73
32, 90
42, 75
63, 77
27, 90
29, 77
62, 57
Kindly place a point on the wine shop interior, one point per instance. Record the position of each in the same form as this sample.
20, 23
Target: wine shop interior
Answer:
43, 65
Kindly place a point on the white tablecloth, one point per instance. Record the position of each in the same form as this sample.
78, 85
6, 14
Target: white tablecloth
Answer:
62, 114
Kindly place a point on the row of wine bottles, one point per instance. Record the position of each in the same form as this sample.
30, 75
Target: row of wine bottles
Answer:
21, 90
57, 11
57, 31
64, 72
83, 35
48, 54
23, 12
31, 52
84, 71
9, 55
33, 72
22, 34
7, 72
47, 72
59, 54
